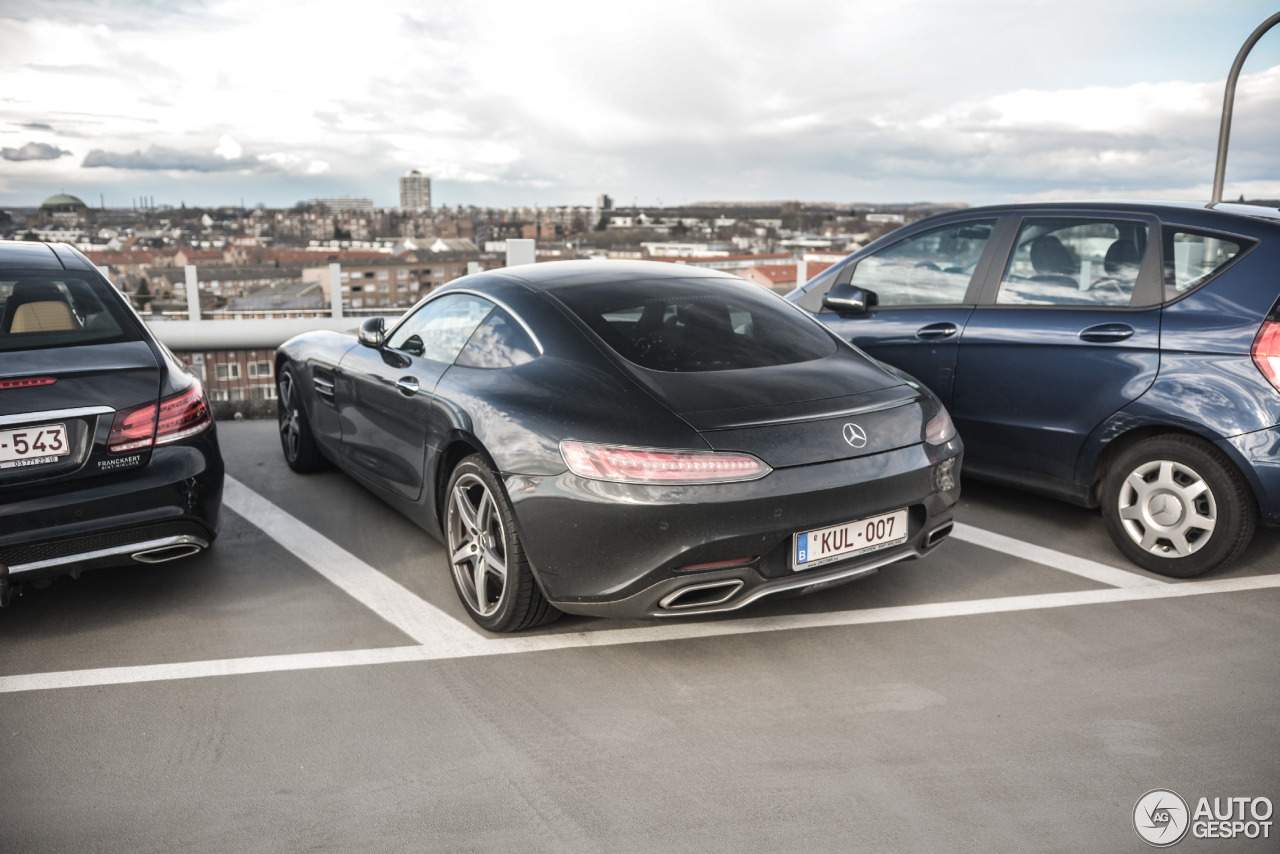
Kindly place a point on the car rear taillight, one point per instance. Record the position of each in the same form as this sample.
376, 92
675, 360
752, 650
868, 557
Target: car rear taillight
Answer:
940, 429
176, 417
647, 465
1266, 351
183, 415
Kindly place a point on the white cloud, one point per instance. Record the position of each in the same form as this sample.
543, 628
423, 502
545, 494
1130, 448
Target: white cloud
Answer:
228, 148
677, 99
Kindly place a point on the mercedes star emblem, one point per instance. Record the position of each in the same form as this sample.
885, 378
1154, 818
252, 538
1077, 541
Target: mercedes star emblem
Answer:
855, 435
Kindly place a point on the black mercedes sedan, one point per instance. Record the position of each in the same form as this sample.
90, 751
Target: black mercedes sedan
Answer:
625, 439
108, 453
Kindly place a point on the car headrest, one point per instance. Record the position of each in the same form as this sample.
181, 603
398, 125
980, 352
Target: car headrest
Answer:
1048, 255
1122, 254
44, 316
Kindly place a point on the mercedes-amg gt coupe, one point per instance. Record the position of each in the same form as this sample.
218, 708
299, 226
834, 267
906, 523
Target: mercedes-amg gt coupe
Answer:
625, 439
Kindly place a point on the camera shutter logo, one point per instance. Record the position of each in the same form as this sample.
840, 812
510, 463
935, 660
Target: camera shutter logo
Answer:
855, 435
1161, 818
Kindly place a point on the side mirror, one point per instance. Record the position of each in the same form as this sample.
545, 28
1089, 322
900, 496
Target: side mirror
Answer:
849, 299
371, 332
413, 346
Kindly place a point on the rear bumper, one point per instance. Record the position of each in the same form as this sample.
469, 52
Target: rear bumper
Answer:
1258, 454
609, 549
168, 508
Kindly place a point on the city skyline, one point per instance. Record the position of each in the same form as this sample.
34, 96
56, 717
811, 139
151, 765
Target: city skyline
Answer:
658, 105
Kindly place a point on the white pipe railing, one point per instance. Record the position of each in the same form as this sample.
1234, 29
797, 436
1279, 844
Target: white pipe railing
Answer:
191, 335
196, 334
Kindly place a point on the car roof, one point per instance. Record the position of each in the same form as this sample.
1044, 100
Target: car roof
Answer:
26, 255
565, 273
1257, 213
35, 255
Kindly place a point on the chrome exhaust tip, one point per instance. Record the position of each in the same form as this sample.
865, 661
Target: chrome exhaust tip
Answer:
702, 595
938, 534
167, 553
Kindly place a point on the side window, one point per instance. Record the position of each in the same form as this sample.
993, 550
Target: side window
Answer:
499, 342
1191, 258
933, 268
440, 329
1087, 262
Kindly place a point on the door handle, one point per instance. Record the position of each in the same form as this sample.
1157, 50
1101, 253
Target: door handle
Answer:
1106, 332
935, 331
408, 386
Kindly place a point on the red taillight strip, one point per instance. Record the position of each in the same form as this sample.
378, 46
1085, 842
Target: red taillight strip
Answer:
623, 464
716, 564
1266, 351
27, 382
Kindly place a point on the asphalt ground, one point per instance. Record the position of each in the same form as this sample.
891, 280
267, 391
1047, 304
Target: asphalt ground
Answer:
312, 684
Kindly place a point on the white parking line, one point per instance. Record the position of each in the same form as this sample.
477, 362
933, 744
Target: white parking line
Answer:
417, 618
1048, 557
612, 637
440, 636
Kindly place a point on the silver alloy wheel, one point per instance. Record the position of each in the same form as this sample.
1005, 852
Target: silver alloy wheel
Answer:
1167, 508
477, 545
290, 428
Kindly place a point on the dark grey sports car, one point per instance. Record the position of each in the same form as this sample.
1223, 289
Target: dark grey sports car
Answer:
625, 439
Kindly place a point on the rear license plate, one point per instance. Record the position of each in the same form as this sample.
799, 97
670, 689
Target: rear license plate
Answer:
826, 545
32, 446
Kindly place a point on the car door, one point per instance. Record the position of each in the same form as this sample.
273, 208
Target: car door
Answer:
1066, 333
918, 293
385, 393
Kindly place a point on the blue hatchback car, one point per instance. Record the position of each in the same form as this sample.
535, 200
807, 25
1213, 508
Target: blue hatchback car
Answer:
1116, 355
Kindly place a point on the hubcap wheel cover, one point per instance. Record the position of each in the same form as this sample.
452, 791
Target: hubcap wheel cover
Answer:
1167, 509
477, 545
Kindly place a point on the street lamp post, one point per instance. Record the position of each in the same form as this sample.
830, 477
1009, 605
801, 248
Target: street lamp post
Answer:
1224, 133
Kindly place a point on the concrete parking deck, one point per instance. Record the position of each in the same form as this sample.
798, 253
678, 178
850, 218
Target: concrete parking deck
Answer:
312, 683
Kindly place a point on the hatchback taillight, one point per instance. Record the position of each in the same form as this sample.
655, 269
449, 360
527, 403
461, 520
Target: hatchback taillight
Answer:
1266, 351
176, 417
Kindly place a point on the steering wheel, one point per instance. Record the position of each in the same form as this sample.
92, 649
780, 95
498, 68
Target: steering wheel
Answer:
1118, 287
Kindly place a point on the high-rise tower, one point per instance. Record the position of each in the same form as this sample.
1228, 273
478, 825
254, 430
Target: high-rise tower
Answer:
415, 192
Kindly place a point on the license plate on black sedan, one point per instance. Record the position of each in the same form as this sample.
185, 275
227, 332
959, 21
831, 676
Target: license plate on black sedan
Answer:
827, 545
33, 446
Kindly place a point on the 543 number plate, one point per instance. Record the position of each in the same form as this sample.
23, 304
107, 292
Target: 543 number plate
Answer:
32, 446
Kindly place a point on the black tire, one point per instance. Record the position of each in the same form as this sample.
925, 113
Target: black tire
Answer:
490, 572
1176, 506
296, 439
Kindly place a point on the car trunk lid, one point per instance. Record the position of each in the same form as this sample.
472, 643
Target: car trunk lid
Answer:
70, 395
791, 415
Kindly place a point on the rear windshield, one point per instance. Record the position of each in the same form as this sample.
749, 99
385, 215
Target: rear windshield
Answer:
686, 325
59, 310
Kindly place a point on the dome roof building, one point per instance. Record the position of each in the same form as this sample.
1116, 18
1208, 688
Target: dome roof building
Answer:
62, 209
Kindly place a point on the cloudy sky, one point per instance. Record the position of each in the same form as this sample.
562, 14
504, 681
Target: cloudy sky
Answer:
655, 102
